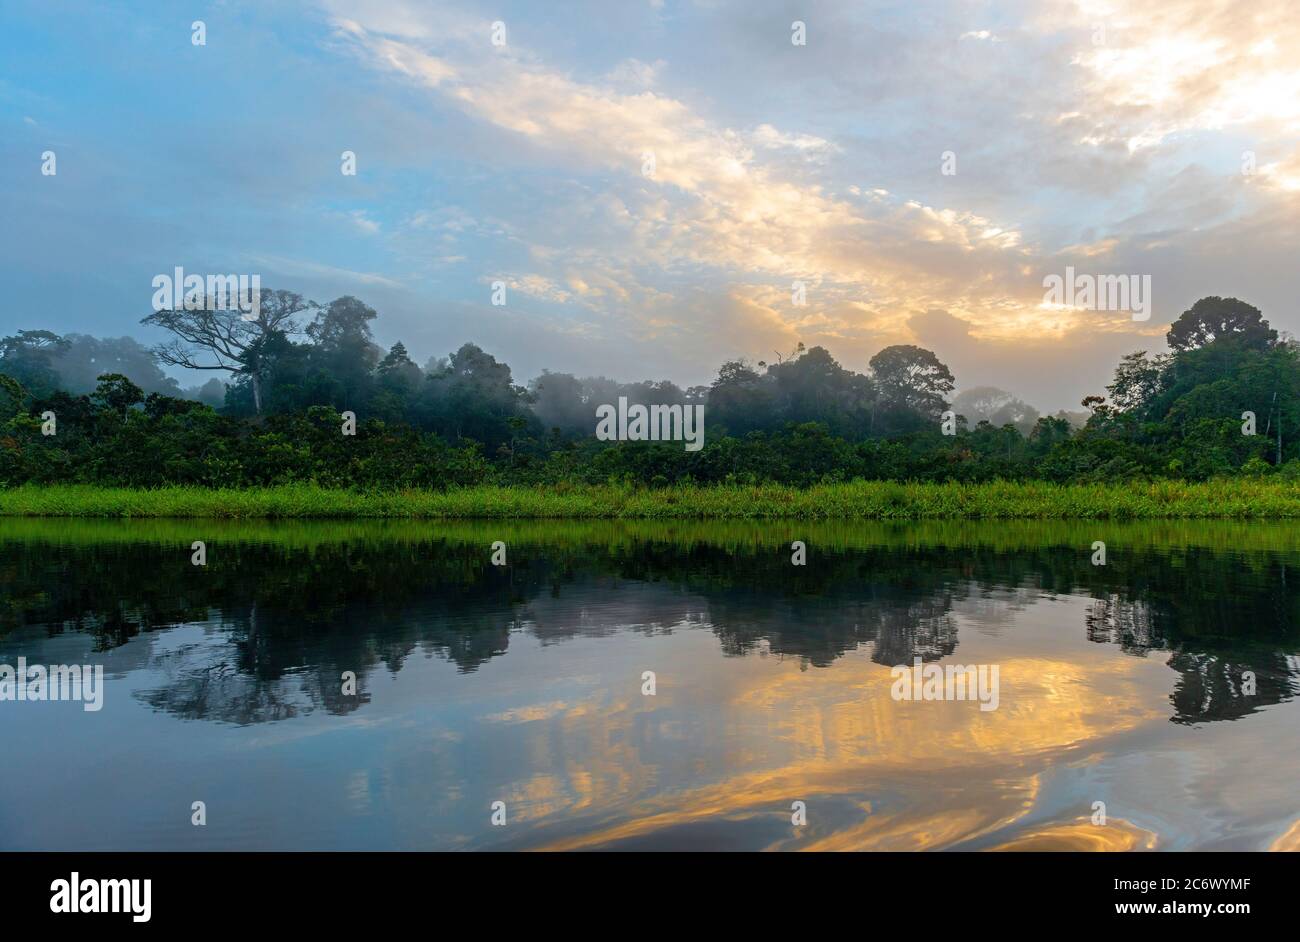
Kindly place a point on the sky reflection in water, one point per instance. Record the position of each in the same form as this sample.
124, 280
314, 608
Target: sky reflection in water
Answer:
1119, 684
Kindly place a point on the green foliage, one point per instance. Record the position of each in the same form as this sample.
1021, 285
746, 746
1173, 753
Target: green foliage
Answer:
27, 357
1225, 402
118, 437
912, 379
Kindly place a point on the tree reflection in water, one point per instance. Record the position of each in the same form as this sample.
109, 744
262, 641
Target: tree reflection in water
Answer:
286, 608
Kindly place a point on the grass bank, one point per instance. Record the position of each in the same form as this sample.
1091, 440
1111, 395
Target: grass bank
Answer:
860, 500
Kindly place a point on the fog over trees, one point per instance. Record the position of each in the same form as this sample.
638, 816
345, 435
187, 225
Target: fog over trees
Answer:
1225, 398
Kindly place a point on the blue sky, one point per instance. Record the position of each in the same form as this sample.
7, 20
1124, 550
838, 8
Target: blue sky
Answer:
523, 163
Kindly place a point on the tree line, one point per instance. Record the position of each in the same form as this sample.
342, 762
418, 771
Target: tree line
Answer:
1224, 399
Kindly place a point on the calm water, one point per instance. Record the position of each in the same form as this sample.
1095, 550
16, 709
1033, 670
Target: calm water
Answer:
1120, 683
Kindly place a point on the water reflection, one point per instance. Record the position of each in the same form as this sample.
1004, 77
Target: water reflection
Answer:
774, 681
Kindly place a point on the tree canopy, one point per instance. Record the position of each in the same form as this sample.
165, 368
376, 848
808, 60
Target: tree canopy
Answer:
1224, 400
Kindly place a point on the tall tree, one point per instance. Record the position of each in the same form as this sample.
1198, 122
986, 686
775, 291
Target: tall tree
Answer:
1138, 379
742, 400
810, 386
1212, 318
559, 402
210, 339
397, 378
473, 397
28, 357
343, 323
912, 378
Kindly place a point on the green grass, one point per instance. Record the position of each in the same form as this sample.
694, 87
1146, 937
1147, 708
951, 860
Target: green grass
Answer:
860, 500
611, 537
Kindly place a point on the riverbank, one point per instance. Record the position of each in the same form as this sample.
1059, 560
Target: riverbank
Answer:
1238, 498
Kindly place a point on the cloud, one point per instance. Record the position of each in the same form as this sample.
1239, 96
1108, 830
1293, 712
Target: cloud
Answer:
691, 194
635, 73
767, 136
1152, 70
272, 265
534, 286
363, 222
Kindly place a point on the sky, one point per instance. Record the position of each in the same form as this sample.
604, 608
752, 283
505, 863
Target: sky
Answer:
919, 167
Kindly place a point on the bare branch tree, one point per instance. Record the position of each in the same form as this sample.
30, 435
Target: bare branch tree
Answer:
207, 338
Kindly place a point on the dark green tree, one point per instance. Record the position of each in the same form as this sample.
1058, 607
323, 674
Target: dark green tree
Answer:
912, 379
1214, 318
